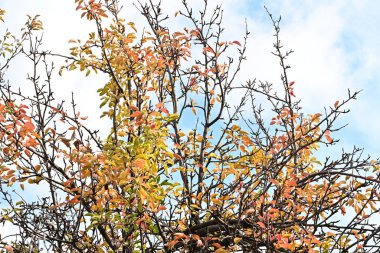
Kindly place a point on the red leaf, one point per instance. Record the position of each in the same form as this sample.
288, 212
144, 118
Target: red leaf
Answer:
262, 225
236, 42
164, 110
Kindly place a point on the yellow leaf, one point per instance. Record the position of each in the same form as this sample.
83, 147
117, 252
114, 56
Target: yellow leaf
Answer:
143, 194
217, 202
123, 174
237, 240
213, 155
193, 110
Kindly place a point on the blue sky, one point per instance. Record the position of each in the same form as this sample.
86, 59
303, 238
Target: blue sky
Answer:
336, 44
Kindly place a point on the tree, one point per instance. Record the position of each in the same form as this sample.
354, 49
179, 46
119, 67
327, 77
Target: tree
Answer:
183, 168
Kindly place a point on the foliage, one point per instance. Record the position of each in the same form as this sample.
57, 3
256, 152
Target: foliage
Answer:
184, 168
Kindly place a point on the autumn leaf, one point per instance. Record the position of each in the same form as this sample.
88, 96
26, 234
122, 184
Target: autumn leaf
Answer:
136, 114
261, 224
336, 104
236, 42
328, 138
139, 163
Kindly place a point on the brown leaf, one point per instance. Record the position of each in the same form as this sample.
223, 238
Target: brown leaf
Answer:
336, 104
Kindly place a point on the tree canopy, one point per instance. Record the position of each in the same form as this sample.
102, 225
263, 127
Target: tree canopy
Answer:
193, 161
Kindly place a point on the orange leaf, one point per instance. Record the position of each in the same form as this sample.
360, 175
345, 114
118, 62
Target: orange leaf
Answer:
177, 156
343, 209
196, 237
134, 108
273, 181
217, 245
250, 211
328, 138
180, 235
136, 114
159, 105
315, 240
221, 250
292, 182
208, 49
140, 163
